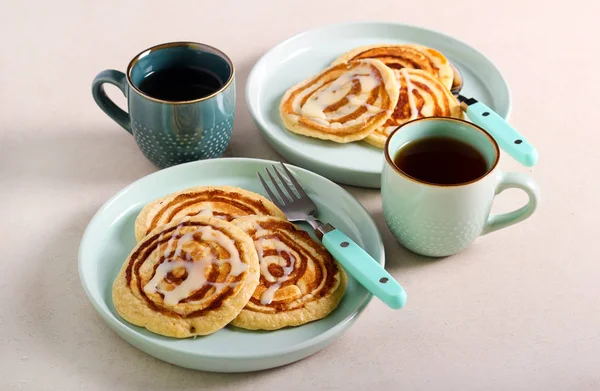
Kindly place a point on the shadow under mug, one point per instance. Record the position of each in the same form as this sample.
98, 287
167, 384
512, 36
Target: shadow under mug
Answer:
441, 220
173, 132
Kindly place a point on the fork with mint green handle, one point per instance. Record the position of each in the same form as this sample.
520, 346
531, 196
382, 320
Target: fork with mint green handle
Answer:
507, 137
366, 270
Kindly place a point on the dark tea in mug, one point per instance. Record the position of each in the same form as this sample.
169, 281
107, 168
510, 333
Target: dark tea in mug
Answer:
181, 84
441, 161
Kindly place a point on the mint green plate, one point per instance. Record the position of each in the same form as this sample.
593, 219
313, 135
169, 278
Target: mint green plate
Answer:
109, 238
306, 54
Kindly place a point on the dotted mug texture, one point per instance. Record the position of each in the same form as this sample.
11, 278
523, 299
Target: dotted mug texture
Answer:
166, 148
435, 237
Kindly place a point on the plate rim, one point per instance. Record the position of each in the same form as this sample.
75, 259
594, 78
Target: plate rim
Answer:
332, 333
341, 170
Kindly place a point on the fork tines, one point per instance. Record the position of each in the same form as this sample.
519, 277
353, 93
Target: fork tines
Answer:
288, 188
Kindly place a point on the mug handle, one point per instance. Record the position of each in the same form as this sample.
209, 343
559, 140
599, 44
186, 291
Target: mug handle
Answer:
509, 180
108, 106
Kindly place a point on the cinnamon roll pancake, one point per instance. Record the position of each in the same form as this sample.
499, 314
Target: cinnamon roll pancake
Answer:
299, 280
405, 56
343, 103
223, 202
190, 277
421, 95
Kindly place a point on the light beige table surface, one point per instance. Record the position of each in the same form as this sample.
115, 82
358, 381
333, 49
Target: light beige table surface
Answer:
519, 310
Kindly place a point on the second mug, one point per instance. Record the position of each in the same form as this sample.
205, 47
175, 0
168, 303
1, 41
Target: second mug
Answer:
442, 216
180, 99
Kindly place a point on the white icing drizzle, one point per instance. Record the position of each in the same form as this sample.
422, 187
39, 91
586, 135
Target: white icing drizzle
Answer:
276, 244
196, 268
414, 112
206, 212
259, 229
322, 97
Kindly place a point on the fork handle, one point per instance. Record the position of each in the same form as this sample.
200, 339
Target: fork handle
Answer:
366, 270
507, 137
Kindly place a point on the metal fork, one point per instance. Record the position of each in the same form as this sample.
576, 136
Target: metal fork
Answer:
356, 261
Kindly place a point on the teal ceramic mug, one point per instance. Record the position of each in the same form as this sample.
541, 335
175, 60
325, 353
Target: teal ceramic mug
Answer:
441, 220
172, 132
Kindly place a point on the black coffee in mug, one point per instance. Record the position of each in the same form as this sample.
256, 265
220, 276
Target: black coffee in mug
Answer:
181, 84
180, 101
441, 161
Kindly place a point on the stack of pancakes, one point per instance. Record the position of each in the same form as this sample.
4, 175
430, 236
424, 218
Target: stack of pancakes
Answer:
211, 256
368, 92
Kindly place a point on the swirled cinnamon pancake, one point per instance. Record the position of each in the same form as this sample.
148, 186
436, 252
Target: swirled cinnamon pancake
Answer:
190, 277
299, 280
405, 56
223, 202
421, 95
343, 103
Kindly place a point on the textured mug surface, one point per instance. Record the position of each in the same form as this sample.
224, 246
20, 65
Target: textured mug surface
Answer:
441, 220
173, 132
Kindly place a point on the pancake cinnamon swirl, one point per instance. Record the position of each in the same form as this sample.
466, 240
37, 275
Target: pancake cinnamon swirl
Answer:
343, 103
189, 277
299, 280
223, 202
421, 95
405, 56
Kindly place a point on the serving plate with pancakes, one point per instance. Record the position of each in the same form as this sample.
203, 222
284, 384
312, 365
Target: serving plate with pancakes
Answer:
297, 88
213, 211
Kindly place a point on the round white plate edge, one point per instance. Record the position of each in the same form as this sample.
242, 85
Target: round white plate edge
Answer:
339, 172
319, 342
